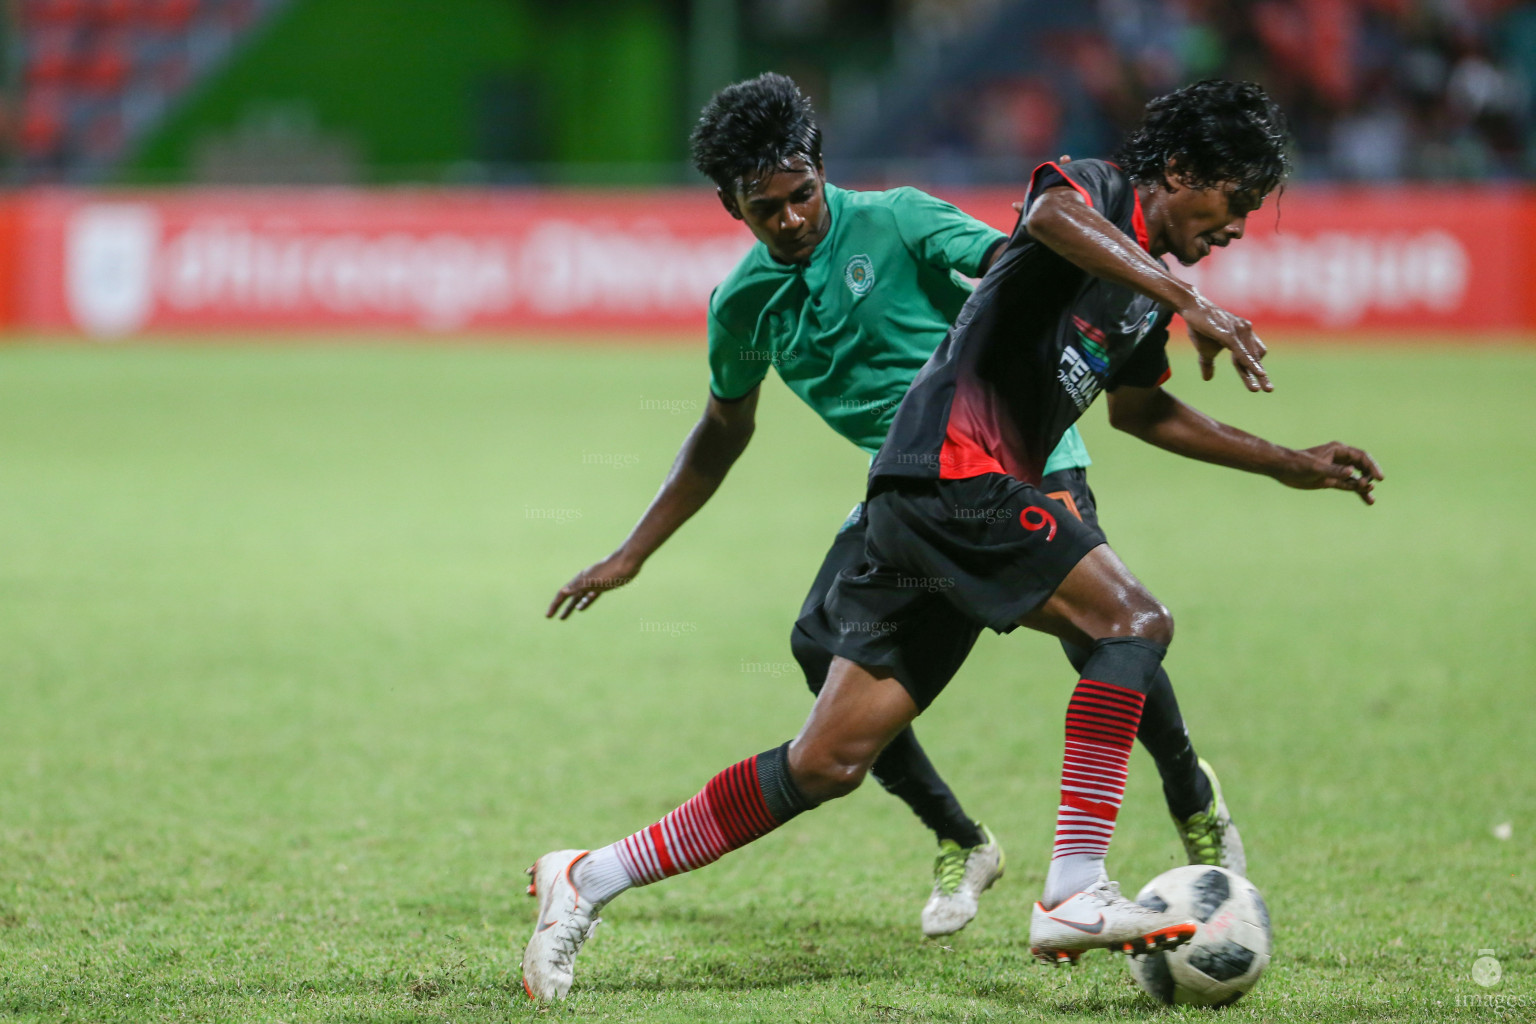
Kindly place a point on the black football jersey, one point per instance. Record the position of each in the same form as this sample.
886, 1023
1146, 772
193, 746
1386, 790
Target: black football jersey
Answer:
1033, 347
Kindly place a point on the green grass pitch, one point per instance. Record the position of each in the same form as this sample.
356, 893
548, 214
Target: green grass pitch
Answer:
281, 723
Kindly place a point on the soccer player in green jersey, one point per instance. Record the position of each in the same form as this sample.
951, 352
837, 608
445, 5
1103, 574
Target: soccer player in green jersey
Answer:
846, 295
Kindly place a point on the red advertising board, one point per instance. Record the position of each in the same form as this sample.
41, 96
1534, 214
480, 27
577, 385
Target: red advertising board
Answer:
1380, 259
325, 260
1373, 258
118, 263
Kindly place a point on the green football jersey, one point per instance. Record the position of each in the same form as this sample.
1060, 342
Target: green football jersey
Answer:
850, 329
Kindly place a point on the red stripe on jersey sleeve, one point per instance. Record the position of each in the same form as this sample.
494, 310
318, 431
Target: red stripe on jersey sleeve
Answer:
1057, 168
1139, 221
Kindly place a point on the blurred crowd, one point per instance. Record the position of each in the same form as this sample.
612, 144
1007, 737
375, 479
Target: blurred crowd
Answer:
89, 76
1375, 89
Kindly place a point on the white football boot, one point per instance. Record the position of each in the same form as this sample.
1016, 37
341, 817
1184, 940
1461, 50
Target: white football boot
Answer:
960, 875
1209, 836
1100, 918
566, 920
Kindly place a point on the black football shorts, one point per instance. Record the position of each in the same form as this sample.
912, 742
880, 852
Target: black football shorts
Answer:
944, 558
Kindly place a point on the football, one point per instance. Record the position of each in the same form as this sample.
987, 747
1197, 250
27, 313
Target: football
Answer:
1230, 949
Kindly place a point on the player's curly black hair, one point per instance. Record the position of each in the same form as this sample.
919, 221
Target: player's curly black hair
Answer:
1215, 131
752, 127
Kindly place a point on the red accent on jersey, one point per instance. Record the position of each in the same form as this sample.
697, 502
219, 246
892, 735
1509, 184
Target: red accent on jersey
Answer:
1065, 497
962, 458
1053, 164
1088, 329
970, 438
1139, 221
996, 408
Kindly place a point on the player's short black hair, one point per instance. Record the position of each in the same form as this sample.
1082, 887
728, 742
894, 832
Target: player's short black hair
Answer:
754, 126
1216, 131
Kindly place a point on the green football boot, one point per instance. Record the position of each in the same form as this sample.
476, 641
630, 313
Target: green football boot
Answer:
960, 875
1209, 836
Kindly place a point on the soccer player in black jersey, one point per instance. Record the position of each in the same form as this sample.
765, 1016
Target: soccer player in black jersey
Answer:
856, 345
1078, 304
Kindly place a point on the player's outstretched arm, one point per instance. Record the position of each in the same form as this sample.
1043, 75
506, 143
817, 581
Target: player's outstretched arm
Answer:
1063, 222
1159, 418
712, 447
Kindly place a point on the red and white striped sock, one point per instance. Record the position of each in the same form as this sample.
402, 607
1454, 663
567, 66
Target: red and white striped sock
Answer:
1101, 726
741, 804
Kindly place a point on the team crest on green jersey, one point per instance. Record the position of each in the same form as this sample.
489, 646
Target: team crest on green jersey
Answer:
859, 274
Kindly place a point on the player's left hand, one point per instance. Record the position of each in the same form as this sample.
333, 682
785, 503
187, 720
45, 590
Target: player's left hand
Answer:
1337, 466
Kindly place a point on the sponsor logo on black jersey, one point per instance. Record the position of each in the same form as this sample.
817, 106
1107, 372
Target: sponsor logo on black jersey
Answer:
1084, 364
1078, 378
1139, 330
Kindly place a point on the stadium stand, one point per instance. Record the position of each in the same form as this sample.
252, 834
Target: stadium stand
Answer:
96, 74
1376, 89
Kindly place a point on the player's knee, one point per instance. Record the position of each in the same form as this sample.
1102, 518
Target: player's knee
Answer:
1150, 620
839, 778
824, 774
1141, 615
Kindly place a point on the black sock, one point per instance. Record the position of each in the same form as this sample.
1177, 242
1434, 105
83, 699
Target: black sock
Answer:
1162, 732
905, 771
780, 793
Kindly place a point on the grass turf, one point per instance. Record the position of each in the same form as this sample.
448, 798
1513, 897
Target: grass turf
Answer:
281, 723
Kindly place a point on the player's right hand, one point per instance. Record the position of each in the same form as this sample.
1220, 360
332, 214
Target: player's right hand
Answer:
588, 585
1213, 329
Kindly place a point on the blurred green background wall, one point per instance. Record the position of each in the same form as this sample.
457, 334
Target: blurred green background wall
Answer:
585, 91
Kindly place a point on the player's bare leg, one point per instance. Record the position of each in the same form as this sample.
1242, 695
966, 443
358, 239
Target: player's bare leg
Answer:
855, 716
903, 767
1102, 607
970, 858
